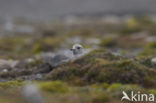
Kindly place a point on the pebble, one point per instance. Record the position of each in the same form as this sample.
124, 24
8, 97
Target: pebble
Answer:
32, 94
153, 61
5, 70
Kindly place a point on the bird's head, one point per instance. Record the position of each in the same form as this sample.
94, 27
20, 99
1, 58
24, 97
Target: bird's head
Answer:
77, 49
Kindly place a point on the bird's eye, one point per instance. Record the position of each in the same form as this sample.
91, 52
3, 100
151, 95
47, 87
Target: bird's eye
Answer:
78, 47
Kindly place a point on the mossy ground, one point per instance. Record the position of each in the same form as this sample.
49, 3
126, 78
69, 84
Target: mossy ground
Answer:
121, 61
61, 92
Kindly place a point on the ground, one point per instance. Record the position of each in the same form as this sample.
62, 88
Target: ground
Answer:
119, 60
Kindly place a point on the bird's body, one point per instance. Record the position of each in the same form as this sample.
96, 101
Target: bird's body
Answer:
63, 57
57, 60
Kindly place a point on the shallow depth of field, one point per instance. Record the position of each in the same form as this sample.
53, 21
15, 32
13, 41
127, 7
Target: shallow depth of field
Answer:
121, 56
122, 49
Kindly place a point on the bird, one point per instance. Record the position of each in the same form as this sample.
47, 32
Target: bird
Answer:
77, 50
74, 53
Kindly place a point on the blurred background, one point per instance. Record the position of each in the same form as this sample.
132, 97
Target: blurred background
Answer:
123, 32
34, 19
49, 9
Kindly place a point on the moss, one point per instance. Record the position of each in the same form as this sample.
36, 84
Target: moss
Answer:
108, 42
103, 61
147, 52
64, 93
54, 87
83, 66
126, 71
102, 67
116, 89
94, 56
121, 87
153, 91
101, 98
149, 49
103, 86
46, 44
68, 74
151, 45
37, 48
131, 26
10, 84
12, 44
145, 60
137, 24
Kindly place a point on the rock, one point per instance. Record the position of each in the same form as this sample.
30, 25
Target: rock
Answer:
6, 65
39, 76
5, 70
23, 63
32, 94
153, 61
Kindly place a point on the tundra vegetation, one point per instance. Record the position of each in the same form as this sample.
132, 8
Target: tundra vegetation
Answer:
120, 61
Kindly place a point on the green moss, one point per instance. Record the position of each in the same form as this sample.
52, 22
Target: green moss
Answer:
94, 56
99, 86
102, 67
145, 60
137, 24
153, 91
151, 45
131, 26
10, 84
121, 87
149, 50
54, 87
46, 44
12, 44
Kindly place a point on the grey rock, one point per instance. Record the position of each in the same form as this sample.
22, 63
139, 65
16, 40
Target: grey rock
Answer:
153, 61
32, 94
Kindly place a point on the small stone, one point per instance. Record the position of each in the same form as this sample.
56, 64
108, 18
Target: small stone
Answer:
39, 76
5, 70
153, 61
32, 94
